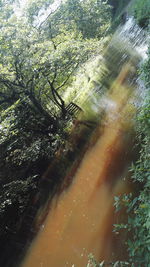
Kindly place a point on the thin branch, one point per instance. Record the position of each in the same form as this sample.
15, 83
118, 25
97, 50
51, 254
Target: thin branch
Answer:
11, 83
40, 90
67, 66
55, 75
67, 78
56, 95
29, 81
43, 22
18, 72
55, 47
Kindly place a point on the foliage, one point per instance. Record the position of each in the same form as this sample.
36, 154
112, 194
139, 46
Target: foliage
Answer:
90, 22
118, 12
38, 61
14, 200
36, 66
25, 141
138, 206
118, 6
93, 263
33, 8
141, 12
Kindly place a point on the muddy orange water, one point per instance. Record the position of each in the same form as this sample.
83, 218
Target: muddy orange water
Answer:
80, 220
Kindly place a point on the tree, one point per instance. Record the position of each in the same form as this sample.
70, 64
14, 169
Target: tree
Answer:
37, 63
89, 18
23, 74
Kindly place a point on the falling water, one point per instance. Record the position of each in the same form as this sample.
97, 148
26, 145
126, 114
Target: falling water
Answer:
81, 219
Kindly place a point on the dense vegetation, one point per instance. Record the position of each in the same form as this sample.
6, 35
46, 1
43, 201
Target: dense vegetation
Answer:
137, 205
141, 12
39, 59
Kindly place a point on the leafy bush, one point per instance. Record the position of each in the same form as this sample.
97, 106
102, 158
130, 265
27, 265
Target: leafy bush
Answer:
141, 11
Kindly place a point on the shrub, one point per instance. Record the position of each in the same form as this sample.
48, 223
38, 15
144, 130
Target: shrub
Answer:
141, 12
138, 207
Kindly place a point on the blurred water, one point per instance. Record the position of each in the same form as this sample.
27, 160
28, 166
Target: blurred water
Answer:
81, 219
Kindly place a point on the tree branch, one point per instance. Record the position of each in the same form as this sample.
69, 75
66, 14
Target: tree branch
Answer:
11, 83
55, 75
19, 76
67, 78
55, 95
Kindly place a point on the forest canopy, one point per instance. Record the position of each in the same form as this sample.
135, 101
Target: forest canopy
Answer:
39, 58
43, 43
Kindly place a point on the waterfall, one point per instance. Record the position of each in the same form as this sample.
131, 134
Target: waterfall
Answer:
81, 218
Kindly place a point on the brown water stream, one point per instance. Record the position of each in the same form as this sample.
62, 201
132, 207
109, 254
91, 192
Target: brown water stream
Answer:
80, 220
